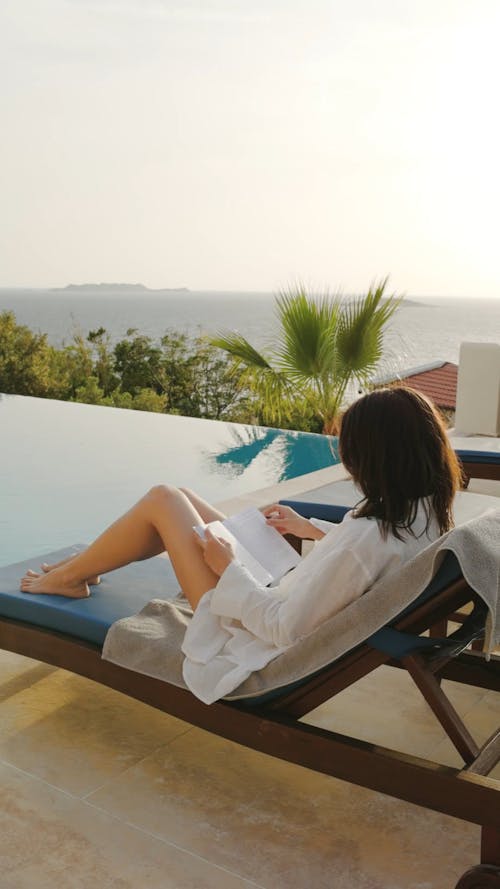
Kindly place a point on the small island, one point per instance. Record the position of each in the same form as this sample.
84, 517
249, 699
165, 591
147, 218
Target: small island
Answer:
116, 288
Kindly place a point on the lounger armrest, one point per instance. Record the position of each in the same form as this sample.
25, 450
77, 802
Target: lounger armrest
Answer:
479, 464
326, 511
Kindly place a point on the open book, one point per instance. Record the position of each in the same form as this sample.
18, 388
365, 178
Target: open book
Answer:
260, 548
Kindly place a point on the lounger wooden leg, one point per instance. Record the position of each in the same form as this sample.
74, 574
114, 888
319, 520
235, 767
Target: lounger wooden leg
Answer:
442, 707
490, 846
439, 630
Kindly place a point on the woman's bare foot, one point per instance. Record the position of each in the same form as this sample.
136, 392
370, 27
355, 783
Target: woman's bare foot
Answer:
56, 583
46, 568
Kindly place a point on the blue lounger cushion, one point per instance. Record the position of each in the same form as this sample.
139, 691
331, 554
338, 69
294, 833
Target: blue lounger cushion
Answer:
120, 594
326, 511
471, 456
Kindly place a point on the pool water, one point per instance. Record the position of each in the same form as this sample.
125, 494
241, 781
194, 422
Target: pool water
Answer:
67, 470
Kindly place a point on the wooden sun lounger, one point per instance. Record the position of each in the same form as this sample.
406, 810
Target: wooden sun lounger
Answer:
271, 724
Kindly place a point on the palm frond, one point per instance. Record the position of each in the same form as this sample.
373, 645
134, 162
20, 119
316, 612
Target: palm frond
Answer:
359, 341
307, 326
240, 349
270, 387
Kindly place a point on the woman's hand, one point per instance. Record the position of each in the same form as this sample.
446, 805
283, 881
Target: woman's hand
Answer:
218, 553
287, 521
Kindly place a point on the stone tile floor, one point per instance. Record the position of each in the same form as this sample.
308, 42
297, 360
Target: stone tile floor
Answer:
100, 790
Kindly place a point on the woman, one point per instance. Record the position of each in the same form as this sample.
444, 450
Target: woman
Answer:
393, 443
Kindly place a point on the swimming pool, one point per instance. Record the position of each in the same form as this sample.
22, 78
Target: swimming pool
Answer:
67, 470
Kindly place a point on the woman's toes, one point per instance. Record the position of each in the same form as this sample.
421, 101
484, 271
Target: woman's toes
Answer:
32, 573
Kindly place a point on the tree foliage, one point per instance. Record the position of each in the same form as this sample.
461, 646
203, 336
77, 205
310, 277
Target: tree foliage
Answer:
25, 359
176, 375
324, 345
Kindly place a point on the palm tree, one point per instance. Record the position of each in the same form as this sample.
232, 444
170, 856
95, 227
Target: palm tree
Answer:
325, 344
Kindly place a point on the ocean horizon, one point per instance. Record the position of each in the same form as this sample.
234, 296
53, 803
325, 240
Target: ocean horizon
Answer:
423, 330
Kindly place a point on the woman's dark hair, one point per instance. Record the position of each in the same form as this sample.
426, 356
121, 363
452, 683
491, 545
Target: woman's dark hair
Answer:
394, 444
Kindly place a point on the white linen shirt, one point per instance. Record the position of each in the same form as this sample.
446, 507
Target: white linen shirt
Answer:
240, 626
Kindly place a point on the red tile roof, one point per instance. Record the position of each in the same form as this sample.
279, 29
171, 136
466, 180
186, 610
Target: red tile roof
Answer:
438, 383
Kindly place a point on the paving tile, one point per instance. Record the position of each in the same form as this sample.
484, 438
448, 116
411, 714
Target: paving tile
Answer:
285, 826
49, 839
72, 732
18, 672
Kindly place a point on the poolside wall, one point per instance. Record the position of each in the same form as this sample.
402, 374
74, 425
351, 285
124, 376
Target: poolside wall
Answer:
478, 390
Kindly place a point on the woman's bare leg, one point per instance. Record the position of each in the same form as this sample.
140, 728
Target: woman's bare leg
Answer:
206, 511
49, 566
162, 520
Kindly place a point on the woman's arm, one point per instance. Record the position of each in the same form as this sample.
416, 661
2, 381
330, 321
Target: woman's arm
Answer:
313, 596
285, 520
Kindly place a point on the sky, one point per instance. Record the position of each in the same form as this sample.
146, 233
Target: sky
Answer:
249, 144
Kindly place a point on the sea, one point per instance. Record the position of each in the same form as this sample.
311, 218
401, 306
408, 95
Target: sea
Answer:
424, 329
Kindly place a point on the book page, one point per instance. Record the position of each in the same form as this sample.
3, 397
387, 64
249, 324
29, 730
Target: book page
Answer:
263, 542
261, 574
